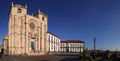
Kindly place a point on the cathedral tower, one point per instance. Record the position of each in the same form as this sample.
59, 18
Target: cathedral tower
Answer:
16, 30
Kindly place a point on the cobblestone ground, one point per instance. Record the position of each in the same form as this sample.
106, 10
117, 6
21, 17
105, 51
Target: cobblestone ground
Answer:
49, 57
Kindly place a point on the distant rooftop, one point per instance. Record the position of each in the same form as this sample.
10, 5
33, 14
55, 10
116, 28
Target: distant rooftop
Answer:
72, 41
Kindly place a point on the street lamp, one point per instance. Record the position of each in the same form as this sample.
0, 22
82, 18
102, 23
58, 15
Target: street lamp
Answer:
94, 44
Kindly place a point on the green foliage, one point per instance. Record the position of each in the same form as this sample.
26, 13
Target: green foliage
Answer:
85, 56
97, 59
108, 54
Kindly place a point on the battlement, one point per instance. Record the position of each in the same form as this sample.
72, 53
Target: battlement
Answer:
18, 5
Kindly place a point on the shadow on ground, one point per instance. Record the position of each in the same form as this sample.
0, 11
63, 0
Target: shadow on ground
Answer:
70, 59
49, 57
67, 54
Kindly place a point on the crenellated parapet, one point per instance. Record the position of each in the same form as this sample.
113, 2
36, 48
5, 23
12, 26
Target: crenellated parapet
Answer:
18, 5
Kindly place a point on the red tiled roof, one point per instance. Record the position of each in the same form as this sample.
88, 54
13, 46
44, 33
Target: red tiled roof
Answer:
72, 41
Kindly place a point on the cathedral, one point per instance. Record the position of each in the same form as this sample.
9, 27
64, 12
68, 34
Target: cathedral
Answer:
27, 34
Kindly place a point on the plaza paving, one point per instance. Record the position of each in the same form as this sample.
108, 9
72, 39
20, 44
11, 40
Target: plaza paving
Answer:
49, 57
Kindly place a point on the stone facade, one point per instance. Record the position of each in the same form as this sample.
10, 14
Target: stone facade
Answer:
5, 44
27, 34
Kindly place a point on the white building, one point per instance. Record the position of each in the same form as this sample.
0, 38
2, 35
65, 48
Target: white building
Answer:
53, 42
75, 46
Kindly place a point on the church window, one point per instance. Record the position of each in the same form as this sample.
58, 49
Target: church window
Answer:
32, 25
43, 18
19, 10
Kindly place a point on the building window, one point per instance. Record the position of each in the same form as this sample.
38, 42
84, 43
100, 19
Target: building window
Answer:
43, 18
49, 38
19, 10
72, 45
67, 44
52, 39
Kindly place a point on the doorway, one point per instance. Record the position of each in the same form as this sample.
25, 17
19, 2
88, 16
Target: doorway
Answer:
32, 45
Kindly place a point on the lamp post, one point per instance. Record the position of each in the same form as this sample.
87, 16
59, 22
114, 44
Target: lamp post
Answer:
80, 48
94, 44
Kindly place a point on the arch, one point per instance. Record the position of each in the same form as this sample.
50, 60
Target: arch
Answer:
19, 10
32, 46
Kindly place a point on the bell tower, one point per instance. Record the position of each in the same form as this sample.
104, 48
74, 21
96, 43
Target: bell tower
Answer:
16, 29
18, 9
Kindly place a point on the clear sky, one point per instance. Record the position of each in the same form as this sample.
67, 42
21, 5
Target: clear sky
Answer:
74, 19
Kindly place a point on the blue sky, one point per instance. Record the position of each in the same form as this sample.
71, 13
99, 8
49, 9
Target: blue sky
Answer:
74, 19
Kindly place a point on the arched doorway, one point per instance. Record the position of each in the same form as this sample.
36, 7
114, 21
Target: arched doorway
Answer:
32, 44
